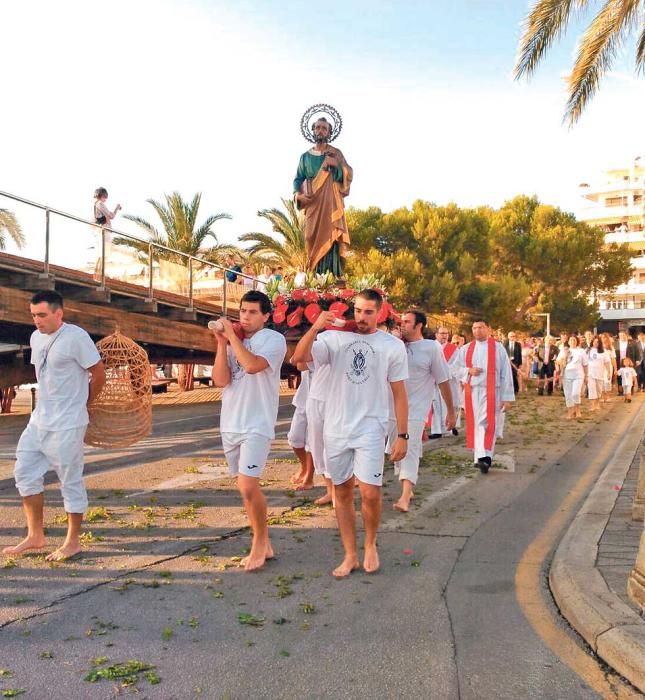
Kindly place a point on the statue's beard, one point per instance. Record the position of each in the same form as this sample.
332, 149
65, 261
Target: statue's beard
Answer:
321, 139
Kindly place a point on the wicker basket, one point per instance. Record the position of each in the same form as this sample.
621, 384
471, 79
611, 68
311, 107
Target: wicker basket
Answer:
122, 413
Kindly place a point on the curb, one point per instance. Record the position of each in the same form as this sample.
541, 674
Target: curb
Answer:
614, 631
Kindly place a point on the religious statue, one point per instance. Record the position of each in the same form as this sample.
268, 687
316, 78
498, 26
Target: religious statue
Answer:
321, 185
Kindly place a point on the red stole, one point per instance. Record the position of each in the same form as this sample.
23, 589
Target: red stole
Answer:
449, 350
489, 436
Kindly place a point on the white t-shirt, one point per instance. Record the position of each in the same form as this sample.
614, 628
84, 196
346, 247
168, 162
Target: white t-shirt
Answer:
599, 364
427, 367
250, 401
627, 376
361, 368
318, 378
61, 360
302, 392
576, 361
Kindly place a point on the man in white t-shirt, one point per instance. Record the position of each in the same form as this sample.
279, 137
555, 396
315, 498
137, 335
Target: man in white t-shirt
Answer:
298, 436
70, 376
249, 372
427, 368
364, 366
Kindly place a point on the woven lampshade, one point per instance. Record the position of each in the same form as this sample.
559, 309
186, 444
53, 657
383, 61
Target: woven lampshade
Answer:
122, 413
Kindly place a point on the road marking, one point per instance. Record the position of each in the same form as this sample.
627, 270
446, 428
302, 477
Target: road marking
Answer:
528, 591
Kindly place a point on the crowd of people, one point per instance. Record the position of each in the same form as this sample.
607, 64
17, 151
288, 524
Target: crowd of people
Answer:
587, 365
365, 393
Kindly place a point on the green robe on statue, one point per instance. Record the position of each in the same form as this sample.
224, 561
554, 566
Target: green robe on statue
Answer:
326, 234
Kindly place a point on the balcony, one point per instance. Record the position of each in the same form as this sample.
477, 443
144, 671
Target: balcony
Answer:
625, 237
604, 213
623, 314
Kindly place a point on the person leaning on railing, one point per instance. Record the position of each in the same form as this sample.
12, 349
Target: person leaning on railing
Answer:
102, 215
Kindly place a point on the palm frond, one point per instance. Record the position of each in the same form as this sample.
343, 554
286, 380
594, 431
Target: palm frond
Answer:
145, 225
640, 52
546, 22
597, 51
9, 223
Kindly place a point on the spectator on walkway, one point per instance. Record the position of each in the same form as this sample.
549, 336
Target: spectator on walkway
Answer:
102, 215
70, 376
264, 277
249, 280
573, 364
233, 267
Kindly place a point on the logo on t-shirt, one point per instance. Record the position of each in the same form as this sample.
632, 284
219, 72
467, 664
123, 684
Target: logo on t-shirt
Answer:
359, 355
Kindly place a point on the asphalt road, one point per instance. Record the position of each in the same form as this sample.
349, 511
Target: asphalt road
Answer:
440, 620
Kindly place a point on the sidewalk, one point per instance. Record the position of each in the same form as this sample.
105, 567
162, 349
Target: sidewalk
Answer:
588, 576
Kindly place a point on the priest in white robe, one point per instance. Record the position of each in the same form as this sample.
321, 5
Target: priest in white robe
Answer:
485, 370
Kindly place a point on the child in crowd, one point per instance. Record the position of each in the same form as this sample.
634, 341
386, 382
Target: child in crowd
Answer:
628, 376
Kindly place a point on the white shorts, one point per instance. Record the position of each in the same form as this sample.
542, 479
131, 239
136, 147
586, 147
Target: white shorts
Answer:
361, 456
315, 435
596, 387
408, 467
246, 453
297, 436
39, 451
627, 389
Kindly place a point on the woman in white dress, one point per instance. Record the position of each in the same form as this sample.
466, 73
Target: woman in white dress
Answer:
573, 364
599, 369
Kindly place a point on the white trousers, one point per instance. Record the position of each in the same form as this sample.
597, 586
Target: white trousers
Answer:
572, 391
596, 388
408, 467
297, 436
439, 412
39, 451
481, 422
315, 440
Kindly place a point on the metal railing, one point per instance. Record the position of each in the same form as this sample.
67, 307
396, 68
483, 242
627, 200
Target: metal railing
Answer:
139, 244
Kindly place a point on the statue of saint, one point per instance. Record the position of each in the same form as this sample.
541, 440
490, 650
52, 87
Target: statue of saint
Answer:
321, 185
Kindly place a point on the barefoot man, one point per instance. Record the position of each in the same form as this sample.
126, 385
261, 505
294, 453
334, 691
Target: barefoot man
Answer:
427, 368
438, 423
298, 436
363, 367
70, 376
249, 372
485, 370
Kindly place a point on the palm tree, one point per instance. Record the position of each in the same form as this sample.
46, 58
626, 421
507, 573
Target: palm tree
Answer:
289, 252
613, 23
180, 231
9, 224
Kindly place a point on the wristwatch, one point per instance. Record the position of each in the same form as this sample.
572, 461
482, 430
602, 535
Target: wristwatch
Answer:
405, 436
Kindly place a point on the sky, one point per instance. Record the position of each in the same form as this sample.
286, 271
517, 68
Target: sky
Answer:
145, 98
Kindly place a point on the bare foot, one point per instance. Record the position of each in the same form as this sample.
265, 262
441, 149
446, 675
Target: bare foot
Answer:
306, 486
345, 569
67, 551
323, 500
254, 562
297, 477
26, 544
371, 562
402, 505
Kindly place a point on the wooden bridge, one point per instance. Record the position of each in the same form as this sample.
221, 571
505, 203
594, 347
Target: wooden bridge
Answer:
170, 325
